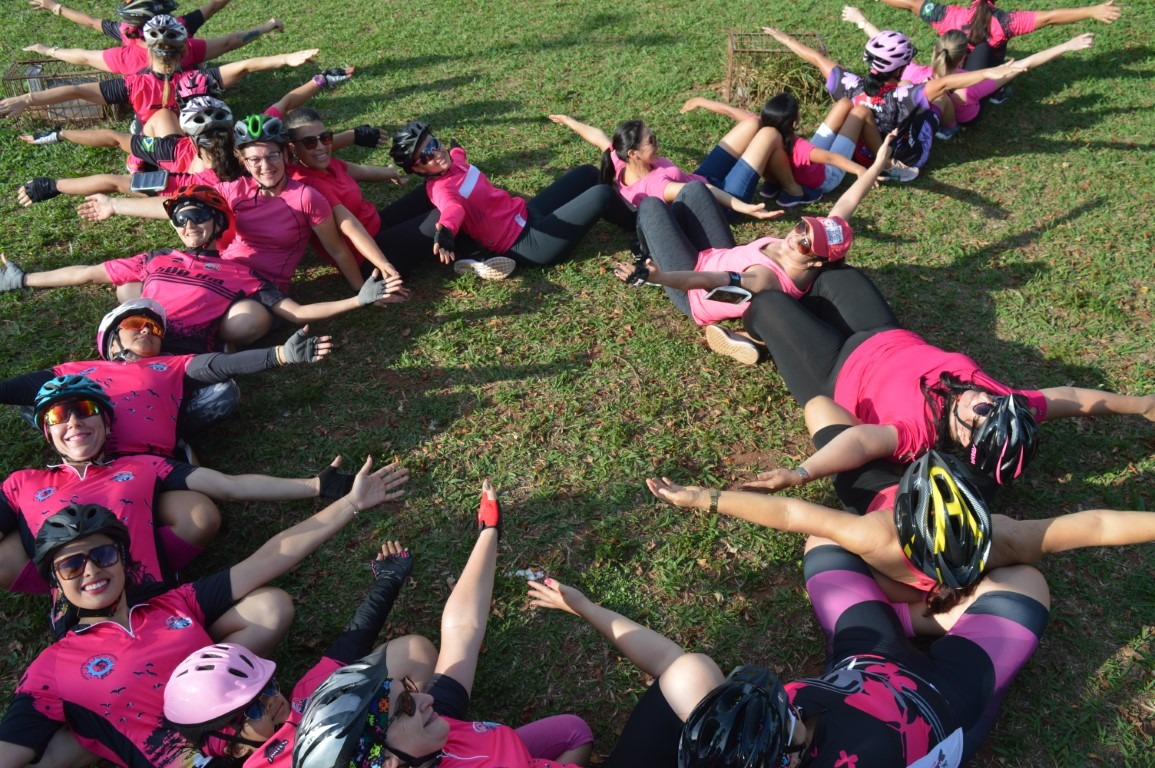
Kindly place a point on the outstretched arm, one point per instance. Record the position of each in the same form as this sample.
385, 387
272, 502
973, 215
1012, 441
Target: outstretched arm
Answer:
861, 535
905, 5
963, 79
219, 46
310, 88
348, 225
804, 52
755, 279
595, 136
76, 17
717, 107
858, 19
1104, 12
466, 612
14, 105
101, 207
100, 137
375, 290
848, 203
77, 274
288, 548
210, 10
81, 57
1027, 541
1065, 402
849, 450
232, 73
330, 484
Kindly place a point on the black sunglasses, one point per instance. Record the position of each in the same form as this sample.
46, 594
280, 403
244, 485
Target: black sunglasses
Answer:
71, 567
429, 151
310, 142
191, 215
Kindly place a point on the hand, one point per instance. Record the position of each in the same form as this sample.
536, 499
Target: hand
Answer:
38, 49
334, 75
565, 120
693, 496
50, 136
11, 276
331, 484
393, 562
372, 290
773, 480
775, 33
274, 25
42, 5
444, 245
1009, 68
1106, 13
691, 104
373, 488
14, 105
303, 348
366, 135
635, 274
551, 593
96, 208
395, 177
298, 58
757, 211
398, 296
853, 15
1085, 40
887, 145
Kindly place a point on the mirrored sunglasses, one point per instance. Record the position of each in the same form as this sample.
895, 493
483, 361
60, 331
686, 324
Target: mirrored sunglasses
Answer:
71, 567
138, 324
257, 709
805, 247
429, 151
191, 215
61, 412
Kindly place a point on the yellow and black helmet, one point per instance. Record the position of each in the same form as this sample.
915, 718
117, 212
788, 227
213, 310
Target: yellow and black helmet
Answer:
943, 523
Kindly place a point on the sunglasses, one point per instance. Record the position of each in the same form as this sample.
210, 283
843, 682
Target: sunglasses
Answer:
405, 702
138, 324
191, 215
983, 409
430, 151
257, 709
61, 412
310, 142
71, 567
805, 247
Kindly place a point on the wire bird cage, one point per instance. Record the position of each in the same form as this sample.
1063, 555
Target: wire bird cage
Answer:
36, 75
758, 67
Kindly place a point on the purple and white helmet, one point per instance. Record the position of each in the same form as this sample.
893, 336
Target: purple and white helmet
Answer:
888, 51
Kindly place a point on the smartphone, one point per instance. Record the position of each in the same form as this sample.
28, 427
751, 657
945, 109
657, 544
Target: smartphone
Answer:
729, 294
149, 183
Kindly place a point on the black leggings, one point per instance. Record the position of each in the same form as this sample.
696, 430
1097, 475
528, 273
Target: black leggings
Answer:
673, 235
811, 338
556, 219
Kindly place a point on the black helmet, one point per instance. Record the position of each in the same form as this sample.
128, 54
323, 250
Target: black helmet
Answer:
335, 716
743, 723
76, 521
406, 142
943, 523
72, 387
136, 12
1005, 443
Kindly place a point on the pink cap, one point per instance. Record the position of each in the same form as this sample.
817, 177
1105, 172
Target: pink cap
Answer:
831, 236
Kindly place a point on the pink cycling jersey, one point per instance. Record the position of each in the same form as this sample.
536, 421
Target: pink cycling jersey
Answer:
1004, 24
127, 485
147, 395
737, 259
468, 202
489, 745
129, 58
277, 752
653, 184
806, 173
195, 290
967, 101
272, 231
881, 383
339, 188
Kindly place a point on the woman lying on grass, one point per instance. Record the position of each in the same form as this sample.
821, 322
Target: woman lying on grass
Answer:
931, 529
843, 341
632, 165
692, 254
877, 702
366, 717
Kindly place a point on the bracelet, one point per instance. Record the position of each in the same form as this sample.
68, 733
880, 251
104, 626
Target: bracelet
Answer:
58, 9
319, 81
715, 494
802, 473
280, 355
351, 504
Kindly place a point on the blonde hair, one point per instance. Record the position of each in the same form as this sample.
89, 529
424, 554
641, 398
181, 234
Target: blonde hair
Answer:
950, 49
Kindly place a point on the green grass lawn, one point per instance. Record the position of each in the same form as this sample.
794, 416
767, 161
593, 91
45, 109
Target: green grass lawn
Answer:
1027, 243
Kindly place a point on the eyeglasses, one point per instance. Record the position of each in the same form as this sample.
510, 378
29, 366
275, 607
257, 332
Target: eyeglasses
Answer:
983, 409
405, 703
310, 142
191, 215
138, 324
269, 159
61, 412
429, 151
71, 567
805, 247
257, 709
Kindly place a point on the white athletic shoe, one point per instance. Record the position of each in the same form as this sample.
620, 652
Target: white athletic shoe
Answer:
496, 268
732, 345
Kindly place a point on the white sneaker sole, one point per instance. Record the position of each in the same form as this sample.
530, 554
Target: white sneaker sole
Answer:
731, 345
496, 268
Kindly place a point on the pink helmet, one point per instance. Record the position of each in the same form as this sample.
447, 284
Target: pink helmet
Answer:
213, 682
888, 51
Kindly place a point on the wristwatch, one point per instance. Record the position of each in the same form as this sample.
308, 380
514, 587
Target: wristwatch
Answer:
735, 279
